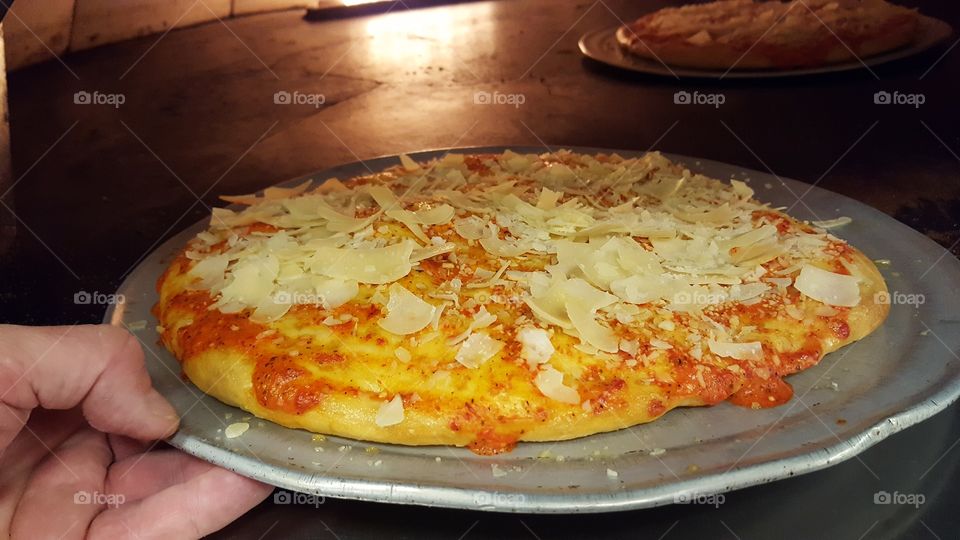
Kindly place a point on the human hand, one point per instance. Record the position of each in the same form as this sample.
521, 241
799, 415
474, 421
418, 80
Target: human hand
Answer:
76, 412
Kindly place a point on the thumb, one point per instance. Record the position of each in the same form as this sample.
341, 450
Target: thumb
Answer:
99, 367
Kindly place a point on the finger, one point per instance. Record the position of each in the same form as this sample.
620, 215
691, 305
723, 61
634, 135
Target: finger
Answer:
65, 491
98, 366
47, 429
141, 475
124, 447
197, 507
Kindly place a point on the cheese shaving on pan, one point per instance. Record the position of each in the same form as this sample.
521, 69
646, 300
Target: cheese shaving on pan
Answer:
608, 239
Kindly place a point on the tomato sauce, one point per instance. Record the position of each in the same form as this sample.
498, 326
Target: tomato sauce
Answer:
762, 393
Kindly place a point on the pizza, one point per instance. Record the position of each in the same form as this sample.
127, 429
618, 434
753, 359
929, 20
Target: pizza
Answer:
743, 34
484, 299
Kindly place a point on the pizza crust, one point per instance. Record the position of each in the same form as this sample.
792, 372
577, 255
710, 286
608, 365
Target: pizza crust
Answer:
226, 375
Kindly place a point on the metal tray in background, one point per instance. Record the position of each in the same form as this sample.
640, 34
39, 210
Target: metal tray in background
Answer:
901, 374
602, 46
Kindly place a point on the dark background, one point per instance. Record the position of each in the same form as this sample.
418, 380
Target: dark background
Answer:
98, 187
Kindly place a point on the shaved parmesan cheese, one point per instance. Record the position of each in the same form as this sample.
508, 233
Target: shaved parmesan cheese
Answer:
390, 412
334, 293
435, 216
548, 199
252, 280
471, 228
550, 383
500, 247
366, 265
408, 164
433, 250
409, 219
581, 303
247, 200
406, 312
740, 351
384, 197
477, 349
581, 294
828, 287
336, 221
481, 319
535, 345
741, 189
715, 215
590, 331
210, 270
492, 280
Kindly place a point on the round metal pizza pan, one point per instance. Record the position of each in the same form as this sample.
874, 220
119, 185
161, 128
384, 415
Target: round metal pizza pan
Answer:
602, 46
903, 373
